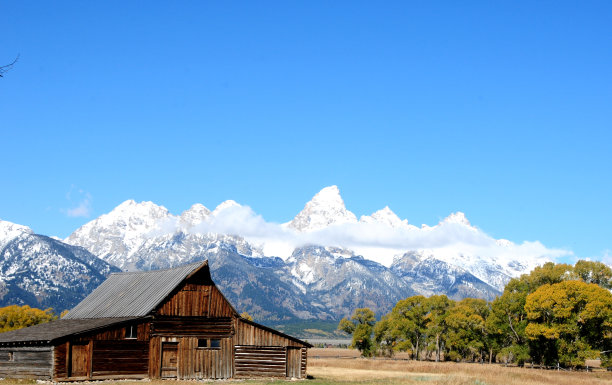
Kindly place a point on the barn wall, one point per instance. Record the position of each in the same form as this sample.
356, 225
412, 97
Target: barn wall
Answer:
104, 354
189, 361
261, 352
26, 362
127, 357
196, 300
248, 334
192, 326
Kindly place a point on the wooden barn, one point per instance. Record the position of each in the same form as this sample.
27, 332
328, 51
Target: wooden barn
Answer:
171, 323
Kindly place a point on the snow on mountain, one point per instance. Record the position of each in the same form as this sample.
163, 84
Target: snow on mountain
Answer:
196, 214
325, 209
457, 218
43, 272
9, 231
386, 217
118, 234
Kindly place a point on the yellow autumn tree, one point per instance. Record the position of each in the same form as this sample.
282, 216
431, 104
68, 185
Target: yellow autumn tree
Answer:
569, 322
17, 317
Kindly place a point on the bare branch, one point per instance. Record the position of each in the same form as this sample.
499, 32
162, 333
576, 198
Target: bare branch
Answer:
5, 68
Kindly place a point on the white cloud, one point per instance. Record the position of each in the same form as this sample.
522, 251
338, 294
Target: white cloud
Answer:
376, 241
81, 203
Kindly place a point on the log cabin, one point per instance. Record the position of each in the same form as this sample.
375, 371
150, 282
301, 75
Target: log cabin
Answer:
161, 324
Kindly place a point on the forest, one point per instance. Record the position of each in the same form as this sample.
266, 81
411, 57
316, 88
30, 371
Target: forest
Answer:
557, 315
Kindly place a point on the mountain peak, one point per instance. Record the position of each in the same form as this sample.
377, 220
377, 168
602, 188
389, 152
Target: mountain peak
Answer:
225, 205
10, 230
458, 218
195, 215
384, 216
326, 208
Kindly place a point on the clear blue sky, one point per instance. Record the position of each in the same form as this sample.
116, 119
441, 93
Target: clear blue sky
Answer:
500, 109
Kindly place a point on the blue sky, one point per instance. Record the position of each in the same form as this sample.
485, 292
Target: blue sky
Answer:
498, 109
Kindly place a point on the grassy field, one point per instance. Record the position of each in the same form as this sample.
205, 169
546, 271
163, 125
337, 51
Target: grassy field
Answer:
325, 368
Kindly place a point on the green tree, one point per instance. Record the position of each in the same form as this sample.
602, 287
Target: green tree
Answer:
409, 321
594, 272
467, 329
384, 336
438, 307
360, 326
569, 321
17, 317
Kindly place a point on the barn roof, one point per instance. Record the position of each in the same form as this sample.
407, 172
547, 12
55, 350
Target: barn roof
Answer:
51, 331
133, 294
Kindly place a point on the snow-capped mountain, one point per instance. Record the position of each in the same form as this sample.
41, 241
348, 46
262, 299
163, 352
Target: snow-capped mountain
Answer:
43, 272
9, 231
196, 214
115, 236
386, 217
324, 209
330, 263
340, 281
429, 276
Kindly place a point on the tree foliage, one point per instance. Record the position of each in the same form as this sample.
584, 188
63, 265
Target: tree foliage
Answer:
17, 317
558, 313
569, 322
361, 326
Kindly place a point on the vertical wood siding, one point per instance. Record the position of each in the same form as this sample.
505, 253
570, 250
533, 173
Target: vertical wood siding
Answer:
196, 300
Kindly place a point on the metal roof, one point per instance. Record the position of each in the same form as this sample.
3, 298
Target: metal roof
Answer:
50, 331
132, 294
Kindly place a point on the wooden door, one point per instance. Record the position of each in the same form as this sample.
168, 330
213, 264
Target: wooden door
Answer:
294, 362
169, 360
79, 356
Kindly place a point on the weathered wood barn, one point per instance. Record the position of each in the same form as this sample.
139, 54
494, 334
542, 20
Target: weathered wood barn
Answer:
171, 323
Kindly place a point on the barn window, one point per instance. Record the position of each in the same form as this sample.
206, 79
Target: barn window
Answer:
11, 356
205, 343
131, 332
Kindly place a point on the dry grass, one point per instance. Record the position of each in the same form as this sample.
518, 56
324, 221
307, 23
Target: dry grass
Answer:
369, 371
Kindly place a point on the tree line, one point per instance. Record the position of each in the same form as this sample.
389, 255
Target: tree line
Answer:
558, 314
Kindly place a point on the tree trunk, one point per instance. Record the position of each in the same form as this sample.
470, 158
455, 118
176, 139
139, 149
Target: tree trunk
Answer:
437, 348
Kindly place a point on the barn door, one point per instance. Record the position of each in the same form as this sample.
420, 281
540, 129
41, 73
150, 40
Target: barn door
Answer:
169, 360
79, 355
294, 362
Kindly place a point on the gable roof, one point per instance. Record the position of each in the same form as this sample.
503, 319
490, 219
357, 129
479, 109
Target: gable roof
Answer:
132, 294
46, 333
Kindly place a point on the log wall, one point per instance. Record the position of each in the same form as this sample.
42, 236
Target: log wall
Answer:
27, 362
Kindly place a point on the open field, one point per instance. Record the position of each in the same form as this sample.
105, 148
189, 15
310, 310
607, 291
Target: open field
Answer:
324, 368
347, 371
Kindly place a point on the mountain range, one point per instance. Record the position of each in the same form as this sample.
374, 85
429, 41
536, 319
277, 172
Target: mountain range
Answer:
322, 264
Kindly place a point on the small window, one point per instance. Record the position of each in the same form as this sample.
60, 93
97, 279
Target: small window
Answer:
131, 332
205, 343
11, 356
